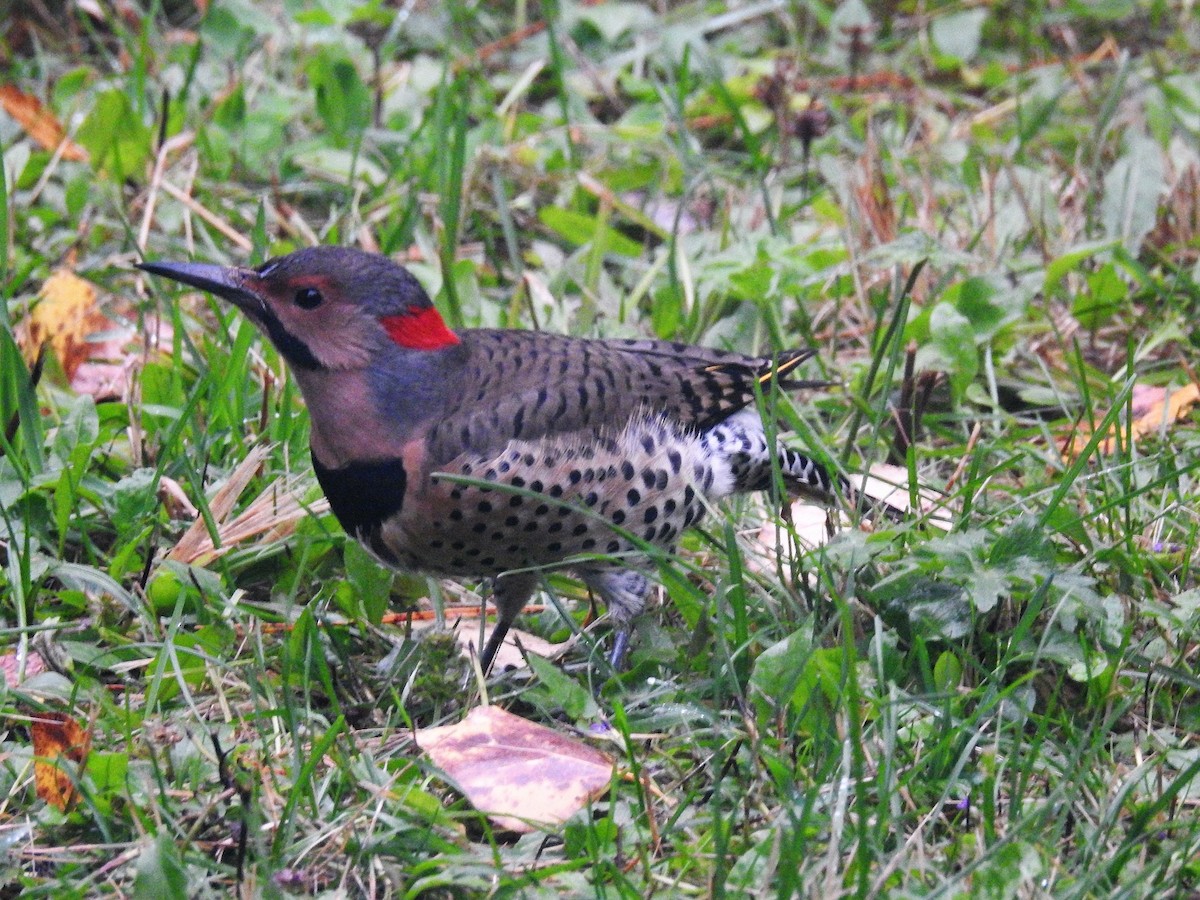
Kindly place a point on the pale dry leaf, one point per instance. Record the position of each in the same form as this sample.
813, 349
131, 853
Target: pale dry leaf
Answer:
810, 521
887, 486
110, 356
509, 655
39, 122
466, 634
114, 354
539, 294
515, 770
102, 381
815, 525
1153, 408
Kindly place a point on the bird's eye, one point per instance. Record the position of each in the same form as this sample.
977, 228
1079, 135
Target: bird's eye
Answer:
308, 298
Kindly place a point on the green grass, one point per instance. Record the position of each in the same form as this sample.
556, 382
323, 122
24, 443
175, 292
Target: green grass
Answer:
1006, 709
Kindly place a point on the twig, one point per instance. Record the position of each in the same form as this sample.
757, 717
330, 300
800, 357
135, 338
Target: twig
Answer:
179, 142
208, 216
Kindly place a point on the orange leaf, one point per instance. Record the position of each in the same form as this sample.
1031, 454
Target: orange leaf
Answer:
1152, 408
57, 739
64, 316
515, 770
39, 123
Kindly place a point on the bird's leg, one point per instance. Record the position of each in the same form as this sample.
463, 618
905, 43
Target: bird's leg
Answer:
616, 658
624, 593
510, 594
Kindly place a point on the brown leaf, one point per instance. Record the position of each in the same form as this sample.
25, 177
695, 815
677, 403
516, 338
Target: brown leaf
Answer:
57, 739
64, 316
517, 771
1152, 408
97, 355
39, 123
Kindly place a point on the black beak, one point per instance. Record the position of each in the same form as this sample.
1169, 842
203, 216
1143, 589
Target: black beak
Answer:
228, 283
238, 286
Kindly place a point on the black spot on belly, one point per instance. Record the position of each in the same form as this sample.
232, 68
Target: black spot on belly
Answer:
364, 495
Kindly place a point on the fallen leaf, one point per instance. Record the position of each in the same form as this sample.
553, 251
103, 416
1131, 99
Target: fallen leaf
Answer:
509, 656
811, 523
103, 381
885, 486
9, 663
516, 771
1152, 409
463, 621
39, 122
97, 355
540, 294
64, 316
57, 740
113, 355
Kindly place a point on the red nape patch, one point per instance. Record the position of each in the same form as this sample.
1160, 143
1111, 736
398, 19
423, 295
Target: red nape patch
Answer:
421, 329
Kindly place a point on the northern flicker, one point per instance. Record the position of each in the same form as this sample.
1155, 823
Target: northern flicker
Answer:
504, 453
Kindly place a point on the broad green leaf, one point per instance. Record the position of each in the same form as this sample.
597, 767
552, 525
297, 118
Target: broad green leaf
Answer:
1010, 870
951, 347
806, 678
947, 672
340, 166
160, 871
1023, 539
563, 690
612, 20
580, 229
1071, 260
344, 103
372, 583
987, 305
1106, 291
116, 138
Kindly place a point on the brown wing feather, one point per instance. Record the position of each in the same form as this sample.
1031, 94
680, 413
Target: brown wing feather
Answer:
530, 385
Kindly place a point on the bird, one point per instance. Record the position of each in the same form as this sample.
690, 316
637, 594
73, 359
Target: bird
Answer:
505, 453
